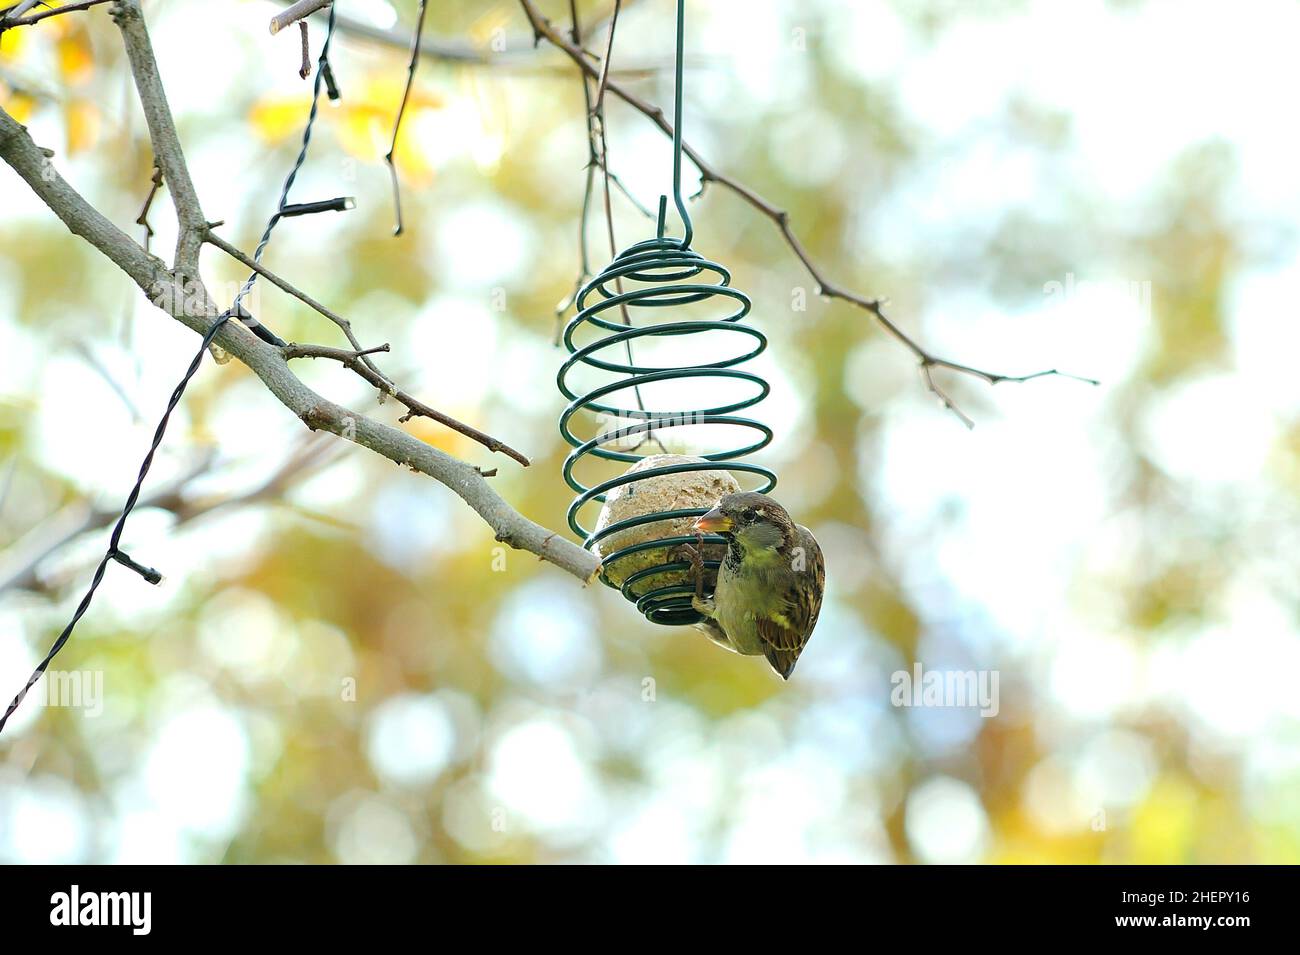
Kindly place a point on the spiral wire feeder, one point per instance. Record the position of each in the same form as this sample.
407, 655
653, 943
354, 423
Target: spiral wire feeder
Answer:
663, 273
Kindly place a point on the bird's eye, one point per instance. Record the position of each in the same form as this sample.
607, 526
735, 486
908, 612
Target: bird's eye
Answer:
748, 515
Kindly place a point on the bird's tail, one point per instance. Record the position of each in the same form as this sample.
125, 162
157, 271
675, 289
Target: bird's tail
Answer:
782, 661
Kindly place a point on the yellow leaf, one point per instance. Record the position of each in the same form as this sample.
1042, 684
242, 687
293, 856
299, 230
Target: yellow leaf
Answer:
366, 124
275, 119
76, 61
1164, 826
361, 134
12, 45
82, 126
441, 437
17, 104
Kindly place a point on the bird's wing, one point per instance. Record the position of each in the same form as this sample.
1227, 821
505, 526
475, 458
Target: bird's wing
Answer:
784, 635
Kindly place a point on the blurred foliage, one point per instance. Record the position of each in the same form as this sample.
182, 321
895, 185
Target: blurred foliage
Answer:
357, 671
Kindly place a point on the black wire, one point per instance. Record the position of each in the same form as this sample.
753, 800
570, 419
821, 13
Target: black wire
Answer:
114, 552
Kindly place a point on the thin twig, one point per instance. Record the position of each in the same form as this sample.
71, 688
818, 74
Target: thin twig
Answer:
21, 570
436, 48
544, 29
189, 303
594, 161
344, 325
584, 260
17, 10
356, 361
401, 111
168, 153
187, 300
304, 71
13, 16
143, 218
600, 144
515, 55
303, 8
414, 406
170, 156
602, 82
343, 355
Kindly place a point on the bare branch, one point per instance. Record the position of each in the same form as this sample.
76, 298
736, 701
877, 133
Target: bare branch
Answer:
303, 8
215, 240
927, 375
21, 570
187, 300
401, 112
462, 53
18, 9
544, 29
374, 376
511, 55
13, 16
34, 165
584, 259
168, 154
143, 218
602, 83
342, 355
596, 159
304, 71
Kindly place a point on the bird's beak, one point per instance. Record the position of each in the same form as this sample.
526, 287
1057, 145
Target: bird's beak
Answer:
714, 522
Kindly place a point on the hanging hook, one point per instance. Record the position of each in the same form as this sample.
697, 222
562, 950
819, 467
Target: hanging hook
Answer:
677, 130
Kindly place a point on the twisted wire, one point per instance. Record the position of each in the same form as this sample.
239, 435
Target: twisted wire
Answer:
114, 551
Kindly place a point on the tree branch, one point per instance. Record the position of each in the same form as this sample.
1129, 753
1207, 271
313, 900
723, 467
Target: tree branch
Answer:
18, 9
168, 154
412, 66
432, 48
543, 29
341, 355
515, 54
13, 16
185, 298
303, 8
376, 377
21, 571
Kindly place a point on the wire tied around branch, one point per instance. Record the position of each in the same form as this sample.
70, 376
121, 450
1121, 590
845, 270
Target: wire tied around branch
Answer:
114, 551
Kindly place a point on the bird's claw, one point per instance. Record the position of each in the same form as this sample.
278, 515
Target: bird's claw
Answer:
696, 556
703, 605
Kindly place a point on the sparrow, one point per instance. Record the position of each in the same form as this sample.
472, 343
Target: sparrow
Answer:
770, 583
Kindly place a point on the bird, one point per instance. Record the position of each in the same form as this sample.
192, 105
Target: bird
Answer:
770, 584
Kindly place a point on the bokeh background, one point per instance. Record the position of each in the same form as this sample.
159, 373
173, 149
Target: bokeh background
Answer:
342, 664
